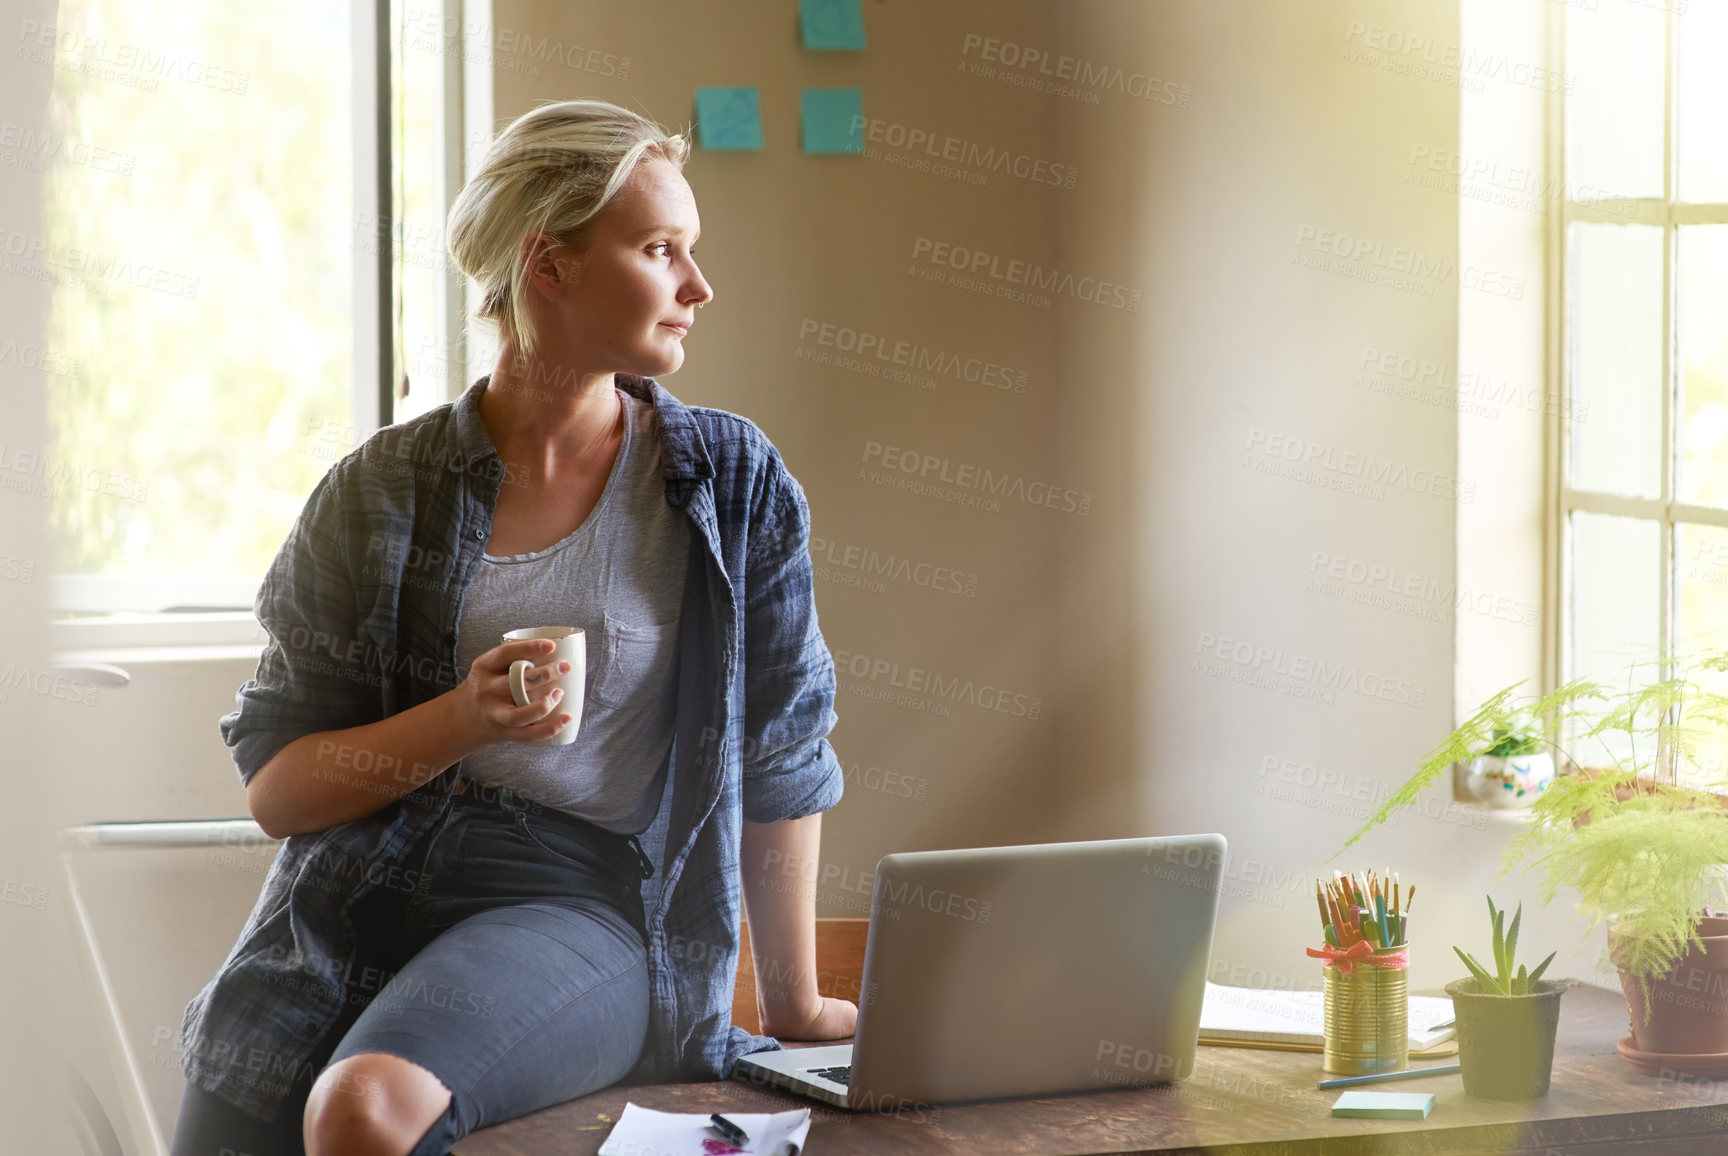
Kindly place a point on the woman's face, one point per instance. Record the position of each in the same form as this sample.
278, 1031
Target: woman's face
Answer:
628, 292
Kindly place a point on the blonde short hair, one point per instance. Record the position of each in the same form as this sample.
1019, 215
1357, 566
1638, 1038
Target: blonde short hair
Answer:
549, 172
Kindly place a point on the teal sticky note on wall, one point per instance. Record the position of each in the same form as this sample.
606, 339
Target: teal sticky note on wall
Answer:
832, 25
833, 120
728, 118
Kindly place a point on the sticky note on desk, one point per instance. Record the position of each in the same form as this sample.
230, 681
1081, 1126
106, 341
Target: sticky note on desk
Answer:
728, 118
1385, 1105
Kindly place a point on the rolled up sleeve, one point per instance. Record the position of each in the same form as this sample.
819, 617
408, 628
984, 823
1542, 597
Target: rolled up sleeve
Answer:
789, 768
314, 674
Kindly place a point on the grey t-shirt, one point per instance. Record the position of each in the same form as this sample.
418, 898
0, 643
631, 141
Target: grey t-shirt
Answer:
619, 576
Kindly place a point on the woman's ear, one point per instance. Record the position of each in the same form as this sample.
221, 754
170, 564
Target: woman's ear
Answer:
551, 264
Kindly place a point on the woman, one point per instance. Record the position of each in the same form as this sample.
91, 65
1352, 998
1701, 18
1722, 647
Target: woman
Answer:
462, 926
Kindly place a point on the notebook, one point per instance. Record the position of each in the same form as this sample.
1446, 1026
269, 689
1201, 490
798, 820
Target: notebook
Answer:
644, 1132
1251, 1015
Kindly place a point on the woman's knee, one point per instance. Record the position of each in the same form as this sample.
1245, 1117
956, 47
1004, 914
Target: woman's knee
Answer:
372, 1104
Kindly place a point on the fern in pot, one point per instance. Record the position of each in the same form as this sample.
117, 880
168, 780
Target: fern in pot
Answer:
1644, 852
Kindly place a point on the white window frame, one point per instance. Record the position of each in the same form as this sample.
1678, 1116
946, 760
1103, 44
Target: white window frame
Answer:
1665, 510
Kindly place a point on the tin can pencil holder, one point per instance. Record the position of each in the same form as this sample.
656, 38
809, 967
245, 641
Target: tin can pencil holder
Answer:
1367, 1005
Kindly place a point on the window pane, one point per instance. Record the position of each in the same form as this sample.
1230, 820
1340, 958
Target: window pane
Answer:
423, 260
1615, 65
204, 293
1702, 582
1615, 298
1702, 308
1616, 612
1701, 99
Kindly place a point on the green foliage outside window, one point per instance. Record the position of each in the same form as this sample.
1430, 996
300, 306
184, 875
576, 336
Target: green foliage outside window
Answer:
202, 303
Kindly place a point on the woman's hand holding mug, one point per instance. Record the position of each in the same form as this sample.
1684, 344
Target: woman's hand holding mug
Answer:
519, 686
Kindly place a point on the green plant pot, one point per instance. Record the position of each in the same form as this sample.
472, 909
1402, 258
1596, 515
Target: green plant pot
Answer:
1506, 1042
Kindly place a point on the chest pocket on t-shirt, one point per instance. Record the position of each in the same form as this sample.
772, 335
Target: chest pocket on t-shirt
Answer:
634, 660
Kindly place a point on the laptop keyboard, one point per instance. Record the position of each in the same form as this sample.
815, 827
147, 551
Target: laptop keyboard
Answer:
841, 1075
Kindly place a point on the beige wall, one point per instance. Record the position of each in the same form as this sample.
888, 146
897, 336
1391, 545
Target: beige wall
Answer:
1275, 130
35, 924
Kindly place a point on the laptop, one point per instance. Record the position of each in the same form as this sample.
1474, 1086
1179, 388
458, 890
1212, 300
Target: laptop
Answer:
994, 972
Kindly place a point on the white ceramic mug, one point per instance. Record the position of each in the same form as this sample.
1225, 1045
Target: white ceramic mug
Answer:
572, 647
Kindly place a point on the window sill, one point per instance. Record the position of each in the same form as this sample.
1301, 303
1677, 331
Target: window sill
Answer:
1504, 816
132, 657
103, 634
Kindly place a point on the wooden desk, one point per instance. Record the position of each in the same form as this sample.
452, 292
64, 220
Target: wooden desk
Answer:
1238, 1101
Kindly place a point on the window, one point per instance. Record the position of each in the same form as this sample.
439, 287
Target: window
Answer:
212, 179
1644, 341
436, 58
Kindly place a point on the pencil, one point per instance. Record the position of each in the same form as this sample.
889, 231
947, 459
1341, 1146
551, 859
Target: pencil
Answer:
1377, 1077
1340, 922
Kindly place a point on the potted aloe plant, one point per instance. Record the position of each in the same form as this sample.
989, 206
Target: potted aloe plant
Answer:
1643, 851
1506, 1019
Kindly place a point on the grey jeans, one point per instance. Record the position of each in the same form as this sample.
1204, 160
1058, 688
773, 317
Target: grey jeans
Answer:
515, 971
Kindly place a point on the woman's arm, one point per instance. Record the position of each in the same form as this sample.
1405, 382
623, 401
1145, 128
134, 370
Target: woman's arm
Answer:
317, 780
330, 777
790, 775
781, 906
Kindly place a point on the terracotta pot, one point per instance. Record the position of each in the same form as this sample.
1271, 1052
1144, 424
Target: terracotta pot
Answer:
1645, 786
1688, 1006
1506, 1042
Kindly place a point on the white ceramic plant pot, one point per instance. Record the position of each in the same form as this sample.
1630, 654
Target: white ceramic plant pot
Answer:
1509, 782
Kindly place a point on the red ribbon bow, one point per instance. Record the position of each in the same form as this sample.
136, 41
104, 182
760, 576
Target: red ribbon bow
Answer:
1346, 959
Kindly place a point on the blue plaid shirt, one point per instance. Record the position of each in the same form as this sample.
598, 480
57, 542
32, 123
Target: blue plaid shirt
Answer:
361, 605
